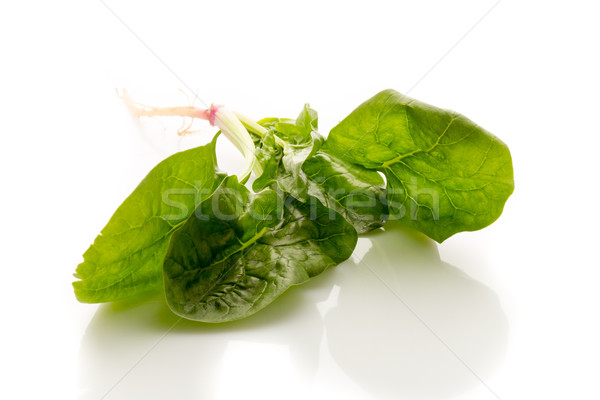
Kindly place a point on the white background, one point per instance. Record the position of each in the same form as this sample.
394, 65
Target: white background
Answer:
509, 312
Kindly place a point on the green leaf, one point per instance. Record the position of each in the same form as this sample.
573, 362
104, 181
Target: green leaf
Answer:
301, 169
126, 258
283, 151
242, 250
351, 190
445, 174
302, 130
268, 153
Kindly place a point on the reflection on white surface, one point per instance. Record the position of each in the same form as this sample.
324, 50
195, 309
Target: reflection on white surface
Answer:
408, 325
393, 322
262, 356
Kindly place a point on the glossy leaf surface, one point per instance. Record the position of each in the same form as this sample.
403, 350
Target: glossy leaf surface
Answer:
126, 258
241, 251
445, 174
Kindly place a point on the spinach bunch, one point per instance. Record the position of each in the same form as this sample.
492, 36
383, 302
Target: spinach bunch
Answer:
222, 252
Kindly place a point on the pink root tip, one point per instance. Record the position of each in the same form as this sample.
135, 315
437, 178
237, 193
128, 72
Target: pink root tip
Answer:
212, 111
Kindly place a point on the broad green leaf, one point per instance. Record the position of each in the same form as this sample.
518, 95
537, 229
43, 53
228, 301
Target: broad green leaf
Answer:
301, 169
445, 174
241, 251
126, 258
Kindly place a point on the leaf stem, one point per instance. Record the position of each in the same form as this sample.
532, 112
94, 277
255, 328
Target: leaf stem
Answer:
251, 125
257, 129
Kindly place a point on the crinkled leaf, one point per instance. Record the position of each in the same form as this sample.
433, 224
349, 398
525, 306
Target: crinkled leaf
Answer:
223, 265
268, 154
126, 258
351, 190
283, 151
302, 130
445, 174
301, 169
